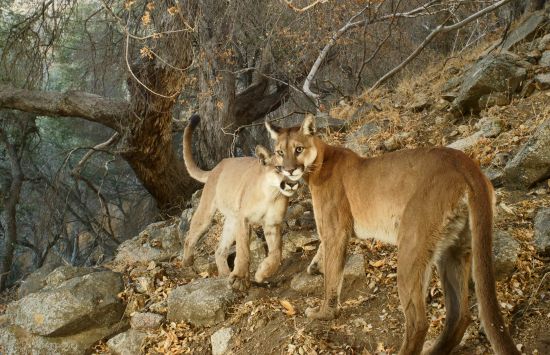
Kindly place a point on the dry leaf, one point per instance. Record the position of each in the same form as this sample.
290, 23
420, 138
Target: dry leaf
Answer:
377, 263
289, 308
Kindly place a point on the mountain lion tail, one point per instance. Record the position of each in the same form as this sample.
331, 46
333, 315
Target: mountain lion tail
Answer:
480, 200
194, 171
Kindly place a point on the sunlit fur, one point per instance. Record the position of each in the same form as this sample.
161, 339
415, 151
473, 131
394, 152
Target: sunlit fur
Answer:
246, 191
433, 203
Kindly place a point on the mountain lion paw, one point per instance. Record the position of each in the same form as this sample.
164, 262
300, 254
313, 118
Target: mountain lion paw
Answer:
321, 313
239, 283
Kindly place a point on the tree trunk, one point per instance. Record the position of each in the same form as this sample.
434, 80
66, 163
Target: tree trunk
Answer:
11, 202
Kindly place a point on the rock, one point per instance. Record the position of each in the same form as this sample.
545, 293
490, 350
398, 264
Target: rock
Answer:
158, 242
37, 280
258, 252
545, 59
17, 341
532, 162
494, 73
127, 343
419, 103
220, 340
544, 43
542, 81
494, 175
75, 305
542, 232
202, 302
354, 271
298, 241
528, 88
64, 273
489, 127
205, 263
505, 252
354, 141
494, 99
361, 112
525, 32
533, 56
185, 223
146, 320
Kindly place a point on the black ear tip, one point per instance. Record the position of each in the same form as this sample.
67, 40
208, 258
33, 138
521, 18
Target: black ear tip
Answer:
194, 120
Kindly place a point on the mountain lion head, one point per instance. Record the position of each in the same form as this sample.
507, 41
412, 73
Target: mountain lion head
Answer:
272, 163
294, 148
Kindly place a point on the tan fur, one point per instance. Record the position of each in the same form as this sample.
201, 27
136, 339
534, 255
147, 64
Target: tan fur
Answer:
246, 191
433, 203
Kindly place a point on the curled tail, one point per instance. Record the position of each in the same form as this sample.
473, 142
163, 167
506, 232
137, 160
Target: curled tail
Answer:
194, 171
481, 226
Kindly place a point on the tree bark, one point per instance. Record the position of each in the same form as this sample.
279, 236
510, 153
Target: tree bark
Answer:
10, 238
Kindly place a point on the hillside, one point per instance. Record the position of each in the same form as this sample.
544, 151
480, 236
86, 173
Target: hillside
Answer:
154, 303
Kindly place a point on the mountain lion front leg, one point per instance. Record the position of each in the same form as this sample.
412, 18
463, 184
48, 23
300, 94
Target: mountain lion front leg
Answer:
316, 266
239, 279
273, 260
334, 241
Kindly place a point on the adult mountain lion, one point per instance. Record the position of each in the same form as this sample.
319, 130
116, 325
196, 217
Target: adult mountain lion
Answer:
246, 191
434, 203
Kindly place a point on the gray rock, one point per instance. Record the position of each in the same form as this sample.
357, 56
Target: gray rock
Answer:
494, 73
204, 263
505, 253
542, 231
17, 341
525, 32
354, 271
127, 343
494, 175
64, 273
146, 320
202, 302
158, 242
37, 280
494, 99
545, 59
488, 127
361, 112
532, 162
419, 103
297, 241
75, 305
542, 81
354, 141
220, 340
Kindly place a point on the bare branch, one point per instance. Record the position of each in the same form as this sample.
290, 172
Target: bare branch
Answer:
439, 29
305, 8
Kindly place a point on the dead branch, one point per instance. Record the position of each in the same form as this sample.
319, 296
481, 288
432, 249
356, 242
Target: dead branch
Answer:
305, 8
439, 29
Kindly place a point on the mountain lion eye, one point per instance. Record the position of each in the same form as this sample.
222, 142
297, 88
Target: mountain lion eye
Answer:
280, 152
299, 149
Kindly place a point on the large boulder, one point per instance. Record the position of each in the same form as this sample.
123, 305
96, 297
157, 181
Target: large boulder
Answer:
15, 340
75, 305
501, 72
542, 231
37, 280
158, 242
531, 164
203, 302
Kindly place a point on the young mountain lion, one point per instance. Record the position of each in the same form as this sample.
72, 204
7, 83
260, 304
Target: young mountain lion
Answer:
246, 191
435, 204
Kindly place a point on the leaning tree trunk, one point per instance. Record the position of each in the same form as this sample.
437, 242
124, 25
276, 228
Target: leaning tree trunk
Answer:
10, 238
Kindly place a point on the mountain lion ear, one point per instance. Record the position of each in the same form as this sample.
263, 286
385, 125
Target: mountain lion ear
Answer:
308, 126
273, 130
262, 154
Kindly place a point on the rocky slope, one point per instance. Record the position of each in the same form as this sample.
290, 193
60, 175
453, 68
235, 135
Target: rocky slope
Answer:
493, 103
